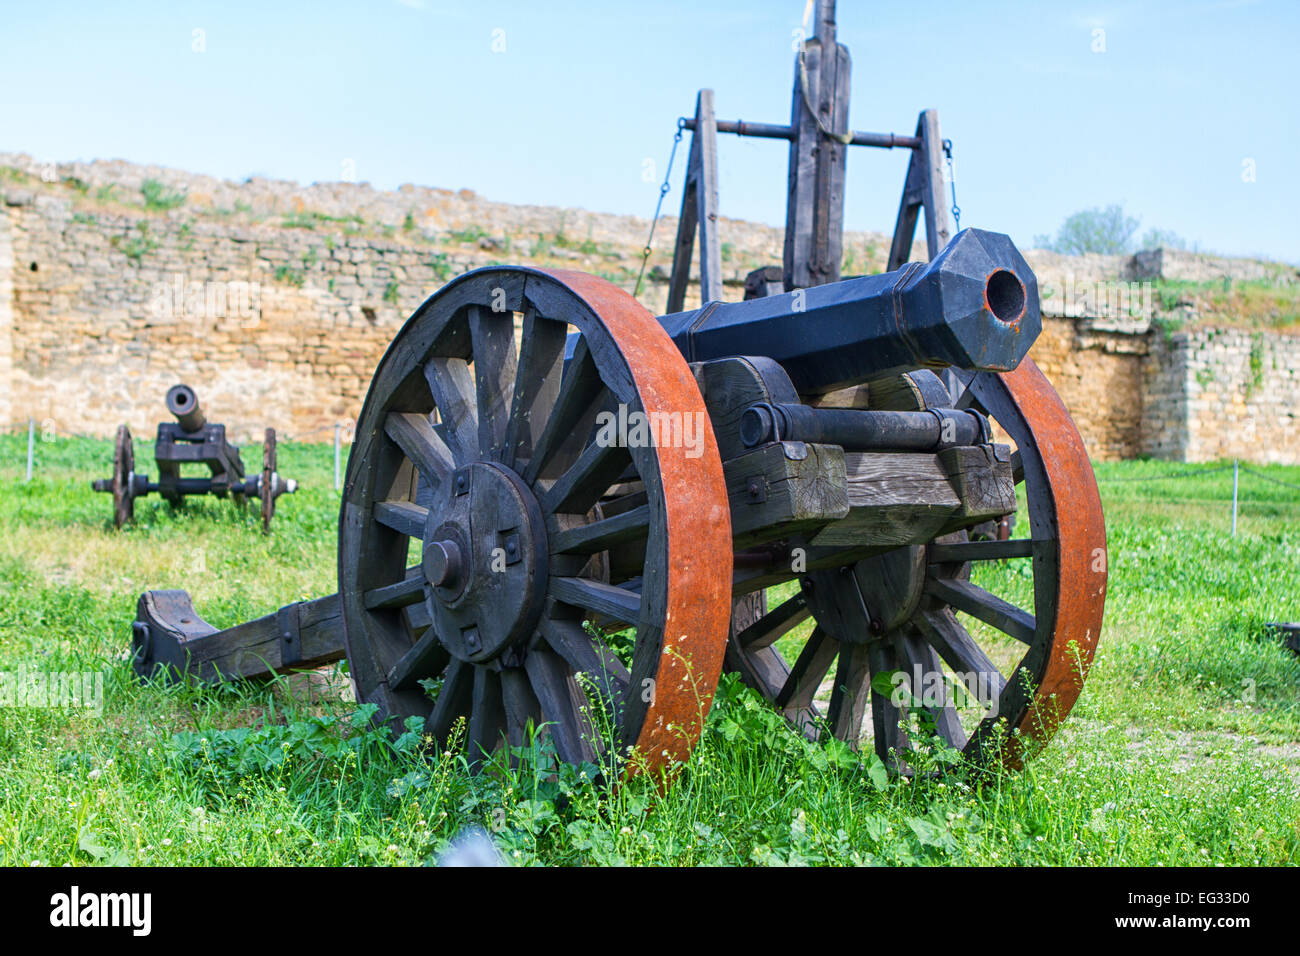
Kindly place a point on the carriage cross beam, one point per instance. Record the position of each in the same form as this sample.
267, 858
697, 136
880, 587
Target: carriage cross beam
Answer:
774, 131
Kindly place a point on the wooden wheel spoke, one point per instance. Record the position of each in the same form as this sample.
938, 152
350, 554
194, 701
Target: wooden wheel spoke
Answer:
850, 695
454, 700
562, 704
775, 624
426, 658
578, 398
521, 705
1017, 467
402, 516
417, 619
412, 432
452, 385
409, 590
920, 658
587, 479
891, 739
537, 382
983, 605
495, 362
967, 659
963, 551
601, 534
624, 502
809, 670
584, 654
487, 717
618, 604
968, 399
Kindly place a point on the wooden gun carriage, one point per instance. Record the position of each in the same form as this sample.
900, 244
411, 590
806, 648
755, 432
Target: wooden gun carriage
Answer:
541, 463
192, 440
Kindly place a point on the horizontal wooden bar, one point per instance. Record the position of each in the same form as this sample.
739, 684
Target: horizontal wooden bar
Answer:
772, 131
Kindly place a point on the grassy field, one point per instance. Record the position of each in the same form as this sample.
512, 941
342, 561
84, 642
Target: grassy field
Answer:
1184, 748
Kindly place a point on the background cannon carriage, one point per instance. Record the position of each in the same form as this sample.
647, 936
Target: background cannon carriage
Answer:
497, 555
192, 440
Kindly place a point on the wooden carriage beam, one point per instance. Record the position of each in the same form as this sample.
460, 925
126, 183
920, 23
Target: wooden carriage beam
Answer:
818, 494
814, 224
922, 189
699, 212
169, 639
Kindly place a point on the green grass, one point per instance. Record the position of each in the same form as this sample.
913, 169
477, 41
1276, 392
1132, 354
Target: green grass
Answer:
290, 276
310, 219
472, 233
158, 198
1268, 304
135, 247
1182, 749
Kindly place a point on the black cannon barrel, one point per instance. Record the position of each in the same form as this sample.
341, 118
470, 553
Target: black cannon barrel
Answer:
184, 404
974, 306
860, 430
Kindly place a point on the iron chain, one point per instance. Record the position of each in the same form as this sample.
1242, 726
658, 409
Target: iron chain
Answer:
952, 182
663, 191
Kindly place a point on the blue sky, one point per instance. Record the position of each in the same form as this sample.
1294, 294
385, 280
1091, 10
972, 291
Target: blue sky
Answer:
1183, 102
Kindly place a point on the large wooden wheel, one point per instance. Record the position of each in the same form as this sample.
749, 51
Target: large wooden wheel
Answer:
123, 477
270, 478
910, 611
481, 450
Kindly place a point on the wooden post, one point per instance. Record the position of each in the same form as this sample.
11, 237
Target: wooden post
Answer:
923, 188
338, 457
814, 223
1234, 496
699, 210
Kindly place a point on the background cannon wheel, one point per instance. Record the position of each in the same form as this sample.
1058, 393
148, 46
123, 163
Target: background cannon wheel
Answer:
913, 610
123, 477
482, 450
266, 489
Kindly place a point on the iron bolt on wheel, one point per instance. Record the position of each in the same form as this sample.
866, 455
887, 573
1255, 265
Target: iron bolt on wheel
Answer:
483, 450
912, 611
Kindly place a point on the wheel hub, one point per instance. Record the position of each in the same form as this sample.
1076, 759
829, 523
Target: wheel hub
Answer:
485, 561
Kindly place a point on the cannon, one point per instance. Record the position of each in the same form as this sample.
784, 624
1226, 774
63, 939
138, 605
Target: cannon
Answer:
600, 473
192, 439
565, 515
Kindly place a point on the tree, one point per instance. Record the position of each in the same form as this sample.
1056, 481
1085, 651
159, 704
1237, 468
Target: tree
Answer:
1106, 230
1162, 239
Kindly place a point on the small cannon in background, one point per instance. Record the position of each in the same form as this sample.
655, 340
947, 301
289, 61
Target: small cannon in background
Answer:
192, 439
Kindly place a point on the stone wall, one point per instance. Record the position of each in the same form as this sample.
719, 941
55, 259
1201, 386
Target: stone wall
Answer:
1223, 393
1099, 376
276, 301
271, 327
7, 412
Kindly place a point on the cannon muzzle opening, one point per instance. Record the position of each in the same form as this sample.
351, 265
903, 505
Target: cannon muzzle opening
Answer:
1004, 295
184, 405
